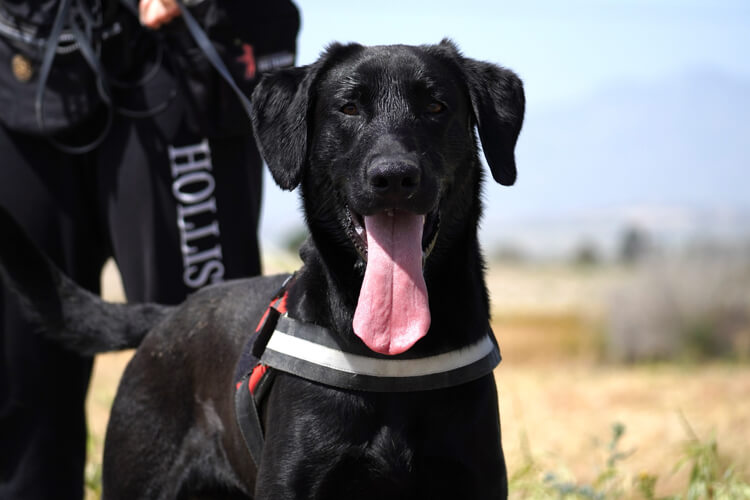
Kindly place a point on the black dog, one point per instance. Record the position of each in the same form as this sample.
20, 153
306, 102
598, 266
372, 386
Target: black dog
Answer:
382, 142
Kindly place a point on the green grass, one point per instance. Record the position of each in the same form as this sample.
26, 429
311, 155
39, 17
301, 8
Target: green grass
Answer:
709, 478
93, 470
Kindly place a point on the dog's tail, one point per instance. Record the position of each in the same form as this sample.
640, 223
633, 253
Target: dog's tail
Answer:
68, 314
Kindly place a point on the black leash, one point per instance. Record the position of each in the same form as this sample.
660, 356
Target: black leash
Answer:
213, 57
92, 60
91, 56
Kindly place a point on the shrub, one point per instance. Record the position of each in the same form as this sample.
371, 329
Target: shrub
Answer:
693, 307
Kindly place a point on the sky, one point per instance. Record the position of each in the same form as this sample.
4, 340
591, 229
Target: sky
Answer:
563, 51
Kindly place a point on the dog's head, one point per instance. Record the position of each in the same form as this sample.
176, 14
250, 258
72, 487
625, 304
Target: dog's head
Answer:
382, 141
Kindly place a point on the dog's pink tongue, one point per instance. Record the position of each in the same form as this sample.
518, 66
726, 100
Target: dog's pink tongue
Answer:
393, 310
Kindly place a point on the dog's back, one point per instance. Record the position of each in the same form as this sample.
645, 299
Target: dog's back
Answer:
170, 415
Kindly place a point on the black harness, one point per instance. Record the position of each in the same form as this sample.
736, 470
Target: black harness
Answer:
308, 351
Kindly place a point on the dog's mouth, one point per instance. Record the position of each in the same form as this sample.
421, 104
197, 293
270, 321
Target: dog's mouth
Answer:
393, 310
355, 229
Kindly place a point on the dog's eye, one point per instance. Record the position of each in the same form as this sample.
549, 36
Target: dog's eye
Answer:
435, 107
350, 109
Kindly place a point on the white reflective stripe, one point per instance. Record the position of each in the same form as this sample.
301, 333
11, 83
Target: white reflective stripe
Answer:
363, 365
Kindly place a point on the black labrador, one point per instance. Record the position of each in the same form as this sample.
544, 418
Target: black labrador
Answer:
382, 142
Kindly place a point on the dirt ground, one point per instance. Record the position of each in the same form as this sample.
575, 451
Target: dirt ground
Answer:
562, 413
565, 413
558, 406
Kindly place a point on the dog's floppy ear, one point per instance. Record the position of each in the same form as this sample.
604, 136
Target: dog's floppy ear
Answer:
279, 116
282, 102
498, 103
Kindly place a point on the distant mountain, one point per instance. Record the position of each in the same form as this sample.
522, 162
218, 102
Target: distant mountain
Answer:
667, 227
673, 156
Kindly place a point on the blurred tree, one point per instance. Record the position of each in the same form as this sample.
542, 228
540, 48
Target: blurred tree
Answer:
586, 254
635, 245
507, 252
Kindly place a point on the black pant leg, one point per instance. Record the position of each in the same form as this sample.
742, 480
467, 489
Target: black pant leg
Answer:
238, 170
182, 207
43, 387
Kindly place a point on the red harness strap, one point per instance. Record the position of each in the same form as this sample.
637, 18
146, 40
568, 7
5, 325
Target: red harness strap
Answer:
260, 378
279, 304
257, 374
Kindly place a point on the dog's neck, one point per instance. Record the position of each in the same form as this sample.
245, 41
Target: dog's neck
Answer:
459, 303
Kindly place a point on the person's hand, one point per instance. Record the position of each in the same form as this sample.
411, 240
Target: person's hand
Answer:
155, 13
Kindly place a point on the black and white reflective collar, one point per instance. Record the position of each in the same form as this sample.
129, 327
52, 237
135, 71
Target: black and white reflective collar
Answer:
313, 353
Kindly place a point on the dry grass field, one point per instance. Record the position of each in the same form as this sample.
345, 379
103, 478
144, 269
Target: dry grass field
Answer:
558, 400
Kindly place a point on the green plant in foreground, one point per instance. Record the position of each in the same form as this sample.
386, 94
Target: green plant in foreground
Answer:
709, 478
93, 470
607, 483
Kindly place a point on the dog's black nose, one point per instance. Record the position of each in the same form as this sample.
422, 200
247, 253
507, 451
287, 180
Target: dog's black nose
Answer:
394, 177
